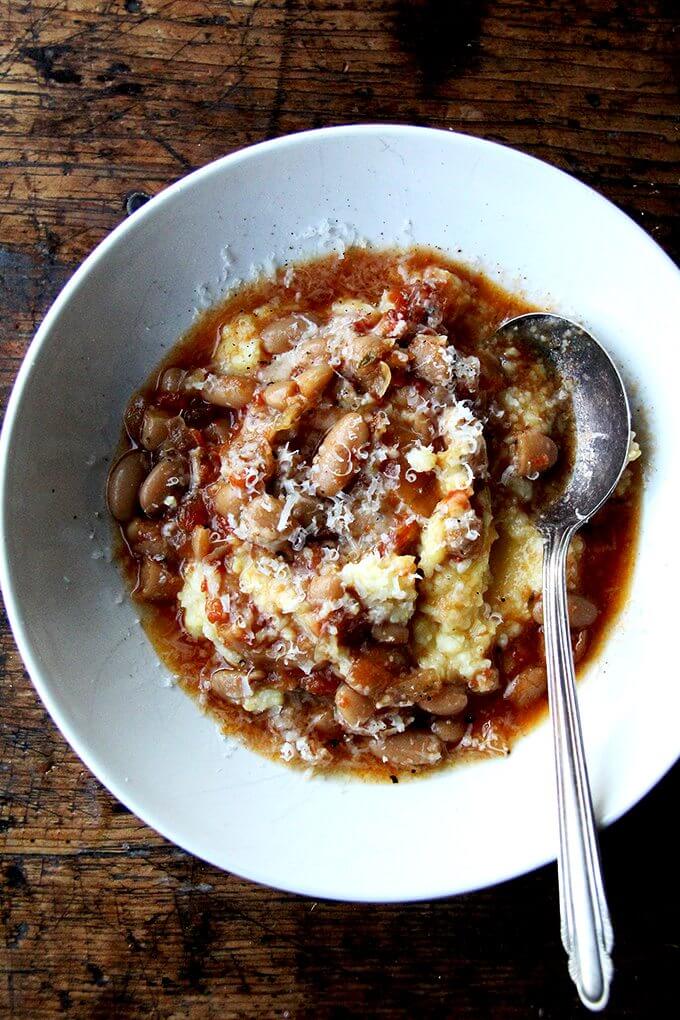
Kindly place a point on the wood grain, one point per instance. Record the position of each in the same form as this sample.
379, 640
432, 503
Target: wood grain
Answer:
100, 98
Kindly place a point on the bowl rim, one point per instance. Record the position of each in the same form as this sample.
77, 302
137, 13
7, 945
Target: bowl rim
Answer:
39, 678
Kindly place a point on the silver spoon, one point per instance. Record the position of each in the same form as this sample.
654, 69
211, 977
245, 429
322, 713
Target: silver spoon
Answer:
602, 419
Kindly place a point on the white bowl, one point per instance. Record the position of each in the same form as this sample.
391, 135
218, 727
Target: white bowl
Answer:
524, 223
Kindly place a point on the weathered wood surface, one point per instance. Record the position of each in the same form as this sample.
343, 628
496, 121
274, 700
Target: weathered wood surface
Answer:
98, 98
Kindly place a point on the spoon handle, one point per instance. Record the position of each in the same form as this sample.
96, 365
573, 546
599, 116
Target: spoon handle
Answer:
586, 927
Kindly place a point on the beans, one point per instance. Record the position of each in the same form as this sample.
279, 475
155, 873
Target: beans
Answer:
218, 431
125, 478
260, 522
326, 725
412, 686
167, 478
485, 680
354, 709
147, 538
398, 359
233, 684
200, 542
134, 414
335, 462
283, 333
463, 530
313, 381
303, 355
180, 437
449, 730
409, 748
527, 686
172, 380
279, 394
226, 498
534, 453
325, 588
429, 358
306, 511
582, 612
379, 379
154, 428
156, 582
360, 353
369, 677
228, 390
450, 700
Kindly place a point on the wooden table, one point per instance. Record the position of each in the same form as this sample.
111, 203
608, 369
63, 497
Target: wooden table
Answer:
100, 98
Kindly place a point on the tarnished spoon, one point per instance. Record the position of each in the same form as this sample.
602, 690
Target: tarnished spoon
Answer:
603, 435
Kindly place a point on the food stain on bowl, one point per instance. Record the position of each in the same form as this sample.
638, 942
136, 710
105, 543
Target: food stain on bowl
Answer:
325, 497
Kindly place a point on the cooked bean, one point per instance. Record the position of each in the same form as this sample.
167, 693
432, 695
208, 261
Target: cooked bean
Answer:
200, 542
325, 588
306, 511
398, 358
279, 394
409, 748
451, 731
368, 676
303, 355
430, 359
164, 481
335, 462
450, 700
219, 431
154, 428
260, 522
180, 438
411, 687
226, 498
218, 551
534, 452
485, 680
582, 612
281, 334
360, 354
134, 413
228, 390
313, 381
379, 379
172, 380
125, 478
354, 709
527, 686
146, 537
233, 684
326, 725
156, 582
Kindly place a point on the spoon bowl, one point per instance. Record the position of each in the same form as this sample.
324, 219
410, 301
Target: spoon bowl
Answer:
601, 412
600, 453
